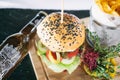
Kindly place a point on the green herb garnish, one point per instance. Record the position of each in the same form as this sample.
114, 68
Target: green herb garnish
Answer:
118, 67
104, 65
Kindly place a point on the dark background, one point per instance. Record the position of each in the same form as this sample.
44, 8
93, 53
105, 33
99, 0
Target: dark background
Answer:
12, 21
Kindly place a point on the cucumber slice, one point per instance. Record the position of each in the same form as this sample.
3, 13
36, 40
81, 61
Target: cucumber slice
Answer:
68, 61
38, 53
42, 49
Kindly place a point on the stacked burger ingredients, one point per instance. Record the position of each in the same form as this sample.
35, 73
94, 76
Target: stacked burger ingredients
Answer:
59, 43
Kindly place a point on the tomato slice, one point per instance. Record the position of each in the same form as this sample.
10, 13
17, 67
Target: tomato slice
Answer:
72, 54
53, 57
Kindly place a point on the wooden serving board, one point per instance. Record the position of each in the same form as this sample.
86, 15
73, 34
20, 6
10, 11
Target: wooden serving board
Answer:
44, 73
41, 71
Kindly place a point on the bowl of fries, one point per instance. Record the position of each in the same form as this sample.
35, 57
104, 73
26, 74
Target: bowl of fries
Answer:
109, 6
105, 21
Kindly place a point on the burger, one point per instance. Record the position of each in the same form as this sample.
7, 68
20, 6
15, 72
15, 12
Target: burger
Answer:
59, 43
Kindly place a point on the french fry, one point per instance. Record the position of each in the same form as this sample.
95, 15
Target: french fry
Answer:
106, 7
110, 6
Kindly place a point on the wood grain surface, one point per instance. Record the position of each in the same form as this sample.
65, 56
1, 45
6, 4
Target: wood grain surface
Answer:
44, 73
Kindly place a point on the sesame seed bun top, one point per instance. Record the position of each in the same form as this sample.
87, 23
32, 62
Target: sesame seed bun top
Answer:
61, 37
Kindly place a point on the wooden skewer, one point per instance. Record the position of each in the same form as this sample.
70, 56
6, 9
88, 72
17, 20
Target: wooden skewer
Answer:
62, 10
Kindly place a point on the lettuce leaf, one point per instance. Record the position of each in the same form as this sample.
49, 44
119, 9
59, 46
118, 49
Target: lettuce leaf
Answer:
60, 67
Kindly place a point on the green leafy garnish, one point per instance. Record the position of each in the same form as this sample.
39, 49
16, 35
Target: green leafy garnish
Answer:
105, 67
118, 67
105, 52
60, 67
